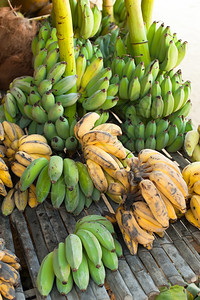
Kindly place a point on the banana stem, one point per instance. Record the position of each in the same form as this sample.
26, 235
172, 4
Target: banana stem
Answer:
137, 32
65, 35
107, 9
147, 11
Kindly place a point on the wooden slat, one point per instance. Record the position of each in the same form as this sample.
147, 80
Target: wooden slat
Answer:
131, 282
30, 255
167, 266
6, 234
142, 276
152, 267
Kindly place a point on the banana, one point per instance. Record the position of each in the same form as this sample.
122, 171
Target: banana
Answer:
48, 100
93, 136
11, 105
39, 74
85, 181
170, 208
154, 201
162, 140
156, 158
165, 184
144, 106
43, 184
166, 86
8, 203
93, 69
51, 58
194, 206
95, 101
87, 22
179, 96
73, 251
111, 128
190, 169
91, 246
6, 274
7, 290
3, 191
64, 289
71, 198
57, 143
9, 257
85, 124
70, 171
45, 277
147, 225
191, 218
190, 141
64, 85
6, 178
32, 199
155, 36
9, 130
182, 49
31, 172
20, 198
177, 144
40, 57
23, 158
81, 276
57, 71
60, 265
50, 130
17, 168
34, 146
97, 175
171, 57
109, 259
55, 168
100, 232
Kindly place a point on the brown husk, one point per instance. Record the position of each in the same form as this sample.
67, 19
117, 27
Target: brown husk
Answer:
16, 34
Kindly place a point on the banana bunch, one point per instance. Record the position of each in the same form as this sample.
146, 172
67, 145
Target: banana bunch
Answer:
192, 144
168, 133
86, 20
105, 156
62, 180
9, 272
120, 12
165, 46
191, 175
84, 254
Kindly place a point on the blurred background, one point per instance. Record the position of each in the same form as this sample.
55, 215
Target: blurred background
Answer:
183, 17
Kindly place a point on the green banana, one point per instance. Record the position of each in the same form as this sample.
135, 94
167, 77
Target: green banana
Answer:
91, 246
109, 259
139, 70
39, 74
50, 130
55, 168
61, 266
45, 276
123, 88
64, 85
45, 86
144, 107
102, 83
172, 132
71, 198
171, 57
168, 101
71, 144
179, 96
73, 251
95, 101
58, 192
139, 144
39, 115
64, 289
96, 218
71, 172
43, 185
162, 140
176, 144
150, 142
11, 105
81, 203
118, 248
81, 276
129, 68
62, 127
139, 130
51, 58
110, 102
48, 100
97, 15
85, 182
96, 195
39, 58
161, 125
155, 40
57, 71
157, 107
97, 274
146, 83
150, 129
166, 86
155, 89
68, 99
31, 172
55, 112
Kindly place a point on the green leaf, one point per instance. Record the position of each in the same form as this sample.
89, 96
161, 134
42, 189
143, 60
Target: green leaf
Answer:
175, 292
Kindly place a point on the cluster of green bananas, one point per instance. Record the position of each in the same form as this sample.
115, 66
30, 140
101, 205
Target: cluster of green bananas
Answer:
168, 133
120, 12
192, 144
84, 254
86, 20
65, 180
9, 272
165, 46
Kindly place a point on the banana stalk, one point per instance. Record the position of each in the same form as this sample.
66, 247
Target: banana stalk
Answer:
107, 9
137, 32
64, 27
147, 11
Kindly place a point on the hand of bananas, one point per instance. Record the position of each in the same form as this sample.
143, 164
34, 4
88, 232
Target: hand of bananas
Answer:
9, 275
192, 145
158, 196
191, 175
84, 254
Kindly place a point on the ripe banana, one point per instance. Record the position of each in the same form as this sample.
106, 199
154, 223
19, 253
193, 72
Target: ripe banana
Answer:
97, 175
195, 207
85, 124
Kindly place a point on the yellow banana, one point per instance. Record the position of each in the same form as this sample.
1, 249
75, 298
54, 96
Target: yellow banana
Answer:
147, 225
1, 132
94, 136
100, 156
8, 203
35, 146
190, 168
116, 148
111, 128
17, 168
196, 187
154, 201
21, 199
32, 199
115, 198
144, 154
9, 257
164, 184
154, 159
10, 153
116, 188
3, 191
97, 175
2, 150
19, 131
23, 158
7, 142
6, 178
122, 176
38, 155
170, 208
194, 177
32, 137
16, 266
15, 145
190, 217
85, 124
131, 243
195, 207
7, 290
9, 130
175, 176
6, 274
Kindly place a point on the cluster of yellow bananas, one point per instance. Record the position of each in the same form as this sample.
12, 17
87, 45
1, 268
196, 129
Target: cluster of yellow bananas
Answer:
191, 175
158, 197
104, 154
9, 275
